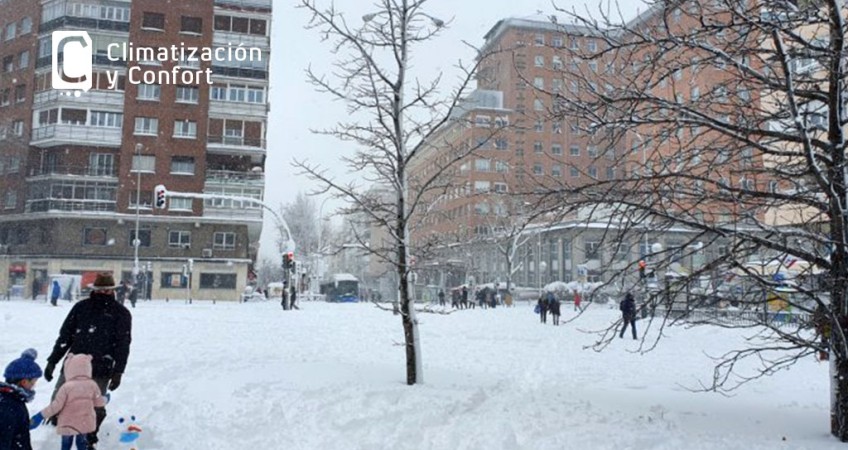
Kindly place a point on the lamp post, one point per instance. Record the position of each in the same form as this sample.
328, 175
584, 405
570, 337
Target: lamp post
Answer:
136, 241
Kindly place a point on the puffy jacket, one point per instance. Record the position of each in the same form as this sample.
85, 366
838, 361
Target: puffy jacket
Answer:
98, 326
628, 306
14, 418
76, 399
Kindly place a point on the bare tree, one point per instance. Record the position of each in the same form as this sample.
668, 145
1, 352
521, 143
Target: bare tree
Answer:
301, 215
726, 118
392, 116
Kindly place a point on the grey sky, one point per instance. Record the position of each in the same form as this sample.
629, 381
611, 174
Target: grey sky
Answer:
296, 107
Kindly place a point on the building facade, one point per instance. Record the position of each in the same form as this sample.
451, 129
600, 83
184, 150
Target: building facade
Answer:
79, 168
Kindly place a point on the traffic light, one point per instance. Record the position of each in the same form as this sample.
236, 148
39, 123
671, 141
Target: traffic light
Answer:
190, 265
161, 196
642, 266
288, 260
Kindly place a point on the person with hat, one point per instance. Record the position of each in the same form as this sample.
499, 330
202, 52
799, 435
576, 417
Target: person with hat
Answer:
21, 376
101, 327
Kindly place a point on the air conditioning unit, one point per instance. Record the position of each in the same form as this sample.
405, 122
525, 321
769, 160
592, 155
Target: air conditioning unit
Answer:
207, 252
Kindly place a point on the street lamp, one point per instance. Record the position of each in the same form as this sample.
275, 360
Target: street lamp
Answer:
136, 241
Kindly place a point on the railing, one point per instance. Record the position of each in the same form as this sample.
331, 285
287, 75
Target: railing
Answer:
738, 317
237, 141
97, 60
239, 72
84, 22
69, 170
45, 205
93, 97
83, 134
246, 4
234, 177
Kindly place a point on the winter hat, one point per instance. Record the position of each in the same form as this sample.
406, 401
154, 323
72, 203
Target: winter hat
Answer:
104, 281
23, 368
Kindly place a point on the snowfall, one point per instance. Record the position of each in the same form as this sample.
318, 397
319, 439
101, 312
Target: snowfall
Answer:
332, 376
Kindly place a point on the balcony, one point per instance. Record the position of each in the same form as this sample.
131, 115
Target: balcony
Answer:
73, 173
85, 23
229, 177
65, 205
235, 145
238, 109
107, 100
68, 134
255, 5
238, 72
225, 38
239, 215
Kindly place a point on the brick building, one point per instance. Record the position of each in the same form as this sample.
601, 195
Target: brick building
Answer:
72, 162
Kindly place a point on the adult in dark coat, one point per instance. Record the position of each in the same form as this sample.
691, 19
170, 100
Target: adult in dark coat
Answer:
628, 314
554, 305
133, 295
441, 297
542, 305
464, 297
101, 327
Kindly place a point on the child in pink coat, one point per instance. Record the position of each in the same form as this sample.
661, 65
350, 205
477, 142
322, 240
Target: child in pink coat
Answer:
75, 403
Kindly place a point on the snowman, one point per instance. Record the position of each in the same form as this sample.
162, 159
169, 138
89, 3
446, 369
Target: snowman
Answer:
129, 436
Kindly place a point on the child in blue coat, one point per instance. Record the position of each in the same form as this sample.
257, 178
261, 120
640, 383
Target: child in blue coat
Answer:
21, 376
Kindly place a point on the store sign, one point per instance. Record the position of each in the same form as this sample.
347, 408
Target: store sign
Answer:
17, 268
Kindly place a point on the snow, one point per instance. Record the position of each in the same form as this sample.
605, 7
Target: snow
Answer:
332, 376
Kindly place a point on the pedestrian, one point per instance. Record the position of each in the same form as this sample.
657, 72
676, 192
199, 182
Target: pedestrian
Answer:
454, 298
36, 287
55, 292
121, 292
577, 300
628, 314
542, 306
75, 403
133, 295
101, 327
554, 305
441, 297
21, 375
464, 297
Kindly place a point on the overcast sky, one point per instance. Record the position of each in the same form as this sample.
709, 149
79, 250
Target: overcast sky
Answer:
296, 107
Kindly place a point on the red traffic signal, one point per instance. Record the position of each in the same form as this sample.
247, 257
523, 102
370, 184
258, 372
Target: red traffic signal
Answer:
161, 196
288, 260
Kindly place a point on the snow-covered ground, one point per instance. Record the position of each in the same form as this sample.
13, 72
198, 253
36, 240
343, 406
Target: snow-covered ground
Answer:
331, 376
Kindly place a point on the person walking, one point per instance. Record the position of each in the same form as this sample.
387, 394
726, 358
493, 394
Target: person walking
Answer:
21, 375
132, 295
542, 306
577, 300
464, 297
441, 297
554, 305
101, 327
121, 292
628, 314
75, 403
55, 293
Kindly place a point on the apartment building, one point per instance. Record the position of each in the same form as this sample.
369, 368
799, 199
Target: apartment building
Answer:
521, 145
79, 168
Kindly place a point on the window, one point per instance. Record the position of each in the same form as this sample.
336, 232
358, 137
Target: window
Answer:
258, 27
695, 93
153, 21
18, 127
539, 83
237, 93
556, 127
556, 149
538, 105
538, 170
678, 74
592, 46
539, 126
557, 63
481, 186
556, 41
501, 144
574, 172
173, 280
9, 63
574, 44
179, 239
11, 31
593, 171
26, 25
556, 171
539, 39
501, 188
143, 163
218, 93
149, 92
224, 240
187, 94
610, 173
23, 59
143, 237
591, 249
501, 167
539, 61
185, 129
20, 93
217, 281
255, 95
182, 165
179, 204
574, 150
11, 200
146, 126
101, 164
106, 119
191, 25
592, 151
5, 96
537, 147
94, 237
482, 165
